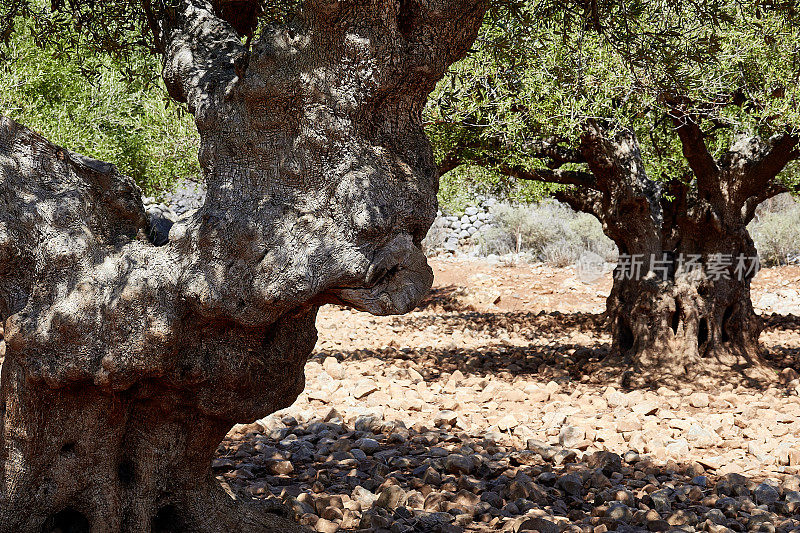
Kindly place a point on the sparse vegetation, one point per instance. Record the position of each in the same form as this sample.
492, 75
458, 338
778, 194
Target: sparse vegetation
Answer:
545, 231
775, 231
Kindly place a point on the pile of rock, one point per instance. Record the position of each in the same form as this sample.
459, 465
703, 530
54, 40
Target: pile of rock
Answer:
183, 201
186, 198
454, 231
379, 476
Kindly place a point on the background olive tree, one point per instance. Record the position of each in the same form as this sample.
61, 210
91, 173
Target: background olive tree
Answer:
668, 121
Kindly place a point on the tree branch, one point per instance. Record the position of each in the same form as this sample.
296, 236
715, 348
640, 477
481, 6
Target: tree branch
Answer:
153, 24
751, 165
751, 204
450, 162
694, 147
199, 52
554, 154
562, 177
781, 149
552, 149
585, 201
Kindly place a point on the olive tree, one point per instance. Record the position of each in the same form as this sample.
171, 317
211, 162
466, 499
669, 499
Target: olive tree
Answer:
669, 122
126, 363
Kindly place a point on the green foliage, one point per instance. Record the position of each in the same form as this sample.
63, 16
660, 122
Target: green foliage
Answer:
542, 68
86, 103
122, 30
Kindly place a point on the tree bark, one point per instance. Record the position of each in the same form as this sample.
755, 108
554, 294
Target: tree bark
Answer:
673, 321
127, 362
687, 327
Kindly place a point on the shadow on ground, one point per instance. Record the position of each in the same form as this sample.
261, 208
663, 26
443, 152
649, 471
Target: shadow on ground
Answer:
574, 345
387, 478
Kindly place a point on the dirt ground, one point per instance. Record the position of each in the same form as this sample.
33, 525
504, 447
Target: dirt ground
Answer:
470, 413
500, 291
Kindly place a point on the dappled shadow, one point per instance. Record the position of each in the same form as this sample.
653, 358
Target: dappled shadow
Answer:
554, 359
774, 321
381, 476
443, 298
496, 359
783, 353
528, 323
549, 345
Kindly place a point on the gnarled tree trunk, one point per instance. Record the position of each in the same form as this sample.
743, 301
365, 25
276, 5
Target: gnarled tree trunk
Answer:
690, 325
680, 305
126, 362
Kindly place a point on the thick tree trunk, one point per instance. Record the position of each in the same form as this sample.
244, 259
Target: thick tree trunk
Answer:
116, 390
139, 459
690, 326
127, 362
685, 312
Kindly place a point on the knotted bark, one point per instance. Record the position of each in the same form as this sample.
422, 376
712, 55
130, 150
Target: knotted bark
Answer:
127, 362
685, 312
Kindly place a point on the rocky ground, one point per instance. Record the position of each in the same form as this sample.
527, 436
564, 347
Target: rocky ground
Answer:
479, 412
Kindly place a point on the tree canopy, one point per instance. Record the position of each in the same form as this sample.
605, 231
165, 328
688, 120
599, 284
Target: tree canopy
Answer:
539, 70
543, 69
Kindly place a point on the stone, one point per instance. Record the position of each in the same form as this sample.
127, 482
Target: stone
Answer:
368, 423
364, 497
334, 368
645, 408
571, 436
458, 464
661, 501
364, 388
391, 497
733, 485
628, 423
492, 498
466, 499
711, 462
368, 446
677, 449
619, 511
281, 468
414, 376
699, 400
608, 462
702, 437
507, 423
658, 525
617, 399
564, 456
445, 418
537, 524
432, 477
571, 484
326, 526
766, 494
